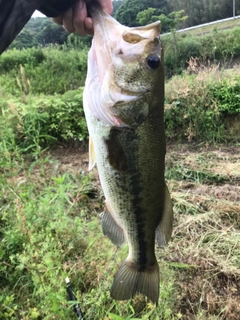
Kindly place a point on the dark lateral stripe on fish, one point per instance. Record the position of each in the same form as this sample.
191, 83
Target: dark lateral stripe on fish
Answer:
124, 161
116, 155
139, 215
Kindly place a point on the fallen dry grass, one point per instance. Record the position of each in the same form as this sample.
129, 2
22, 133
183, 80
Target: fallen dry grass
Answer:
204, 253
205, 250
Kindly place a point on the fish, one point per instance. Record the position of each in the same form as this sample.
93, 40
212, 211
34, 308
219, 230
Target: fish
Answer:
123, 101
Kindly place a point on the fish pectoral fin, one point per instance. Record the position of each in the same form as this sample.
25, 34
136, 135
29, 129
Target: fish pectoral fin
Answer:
129, 280
111, 229
164, 229
92, 156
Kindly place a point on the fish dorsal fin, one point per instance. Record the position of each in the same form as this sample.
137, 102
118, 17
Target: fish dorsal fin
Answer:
164, 229
92, 156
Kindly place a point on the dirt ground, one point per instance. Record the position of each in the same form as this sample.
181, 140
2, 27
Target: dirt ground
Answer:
204, 183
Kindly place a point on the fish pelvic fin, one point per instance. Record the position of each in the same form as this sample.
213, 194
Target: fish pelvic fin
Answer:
129, 281
111, 229
164, 229
92, 155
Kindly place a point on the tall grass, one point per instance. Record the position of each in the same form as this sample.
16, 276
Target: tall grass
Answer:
50, 70
203, 103
218, 46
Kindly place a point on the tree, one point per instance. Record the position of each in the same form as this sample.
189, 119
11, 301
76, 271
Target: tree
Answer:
203, 11
24, 40
147, 16
116, 5
52, 33
169, 22
127, 12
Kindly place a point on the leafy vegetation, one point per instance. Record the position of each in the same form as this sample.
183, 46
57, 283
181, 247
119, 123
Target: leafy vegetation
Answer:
204, 11
203, 105
49, 230
50, 204
198, 12
49, 70
218, 46
41, 32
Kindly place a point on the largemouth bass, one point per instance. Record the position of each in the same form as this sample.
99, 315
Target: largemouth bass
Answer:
124, 106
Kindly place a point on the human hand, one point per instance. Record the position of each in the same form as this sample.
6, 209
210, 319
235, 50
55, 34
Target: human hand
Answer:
76, 18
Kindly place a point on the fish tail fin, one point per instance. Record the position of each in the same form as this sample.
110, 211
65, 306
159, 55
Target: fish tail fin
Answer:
128, 281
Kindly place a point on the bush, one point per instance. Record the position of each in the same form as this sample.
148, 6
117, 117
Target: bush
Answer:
50, 70
219, 46
198, 106
227, 97
12, 59
43, 121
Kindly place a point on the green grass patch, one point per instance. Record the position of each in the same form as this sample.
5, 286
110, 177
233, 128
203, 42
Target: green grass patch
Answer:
54, 69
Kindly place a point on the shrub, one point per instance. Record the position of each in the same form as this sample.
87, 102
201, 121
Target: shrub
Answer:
50, 70
218, 46
42, 121
198, 105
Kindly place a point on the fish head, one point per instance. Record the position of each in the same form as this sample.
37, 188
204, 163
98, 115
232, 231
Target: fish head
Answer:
128, 67
136, 59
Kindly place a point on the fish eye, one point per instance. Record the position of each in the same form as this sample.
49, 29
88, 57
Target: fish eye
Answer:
153, 61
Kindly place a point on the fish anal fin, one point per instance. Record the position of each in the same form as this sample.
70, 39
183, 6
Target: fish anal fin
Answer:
164, 229
129, 281
92, 156
111, 229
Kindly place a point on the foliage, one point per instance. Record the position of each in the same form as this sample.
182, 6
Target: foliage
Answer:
204, 11
198, 12
199, 104
50, 230
221, 46
173, 20
227, 96
50, 70
146, 16
49, 206
40, 32
128, 11
116, 5
44, 120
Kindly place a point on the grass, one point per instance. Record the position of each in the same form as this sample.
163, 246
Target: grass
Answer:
198, 103
50, 206
206, 236
209, 28
50, 230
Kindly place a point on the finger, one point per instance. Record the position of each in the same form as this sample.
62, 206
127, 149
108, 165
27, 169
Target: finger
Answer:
67, 19
58, 20
89, 24
79, 16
